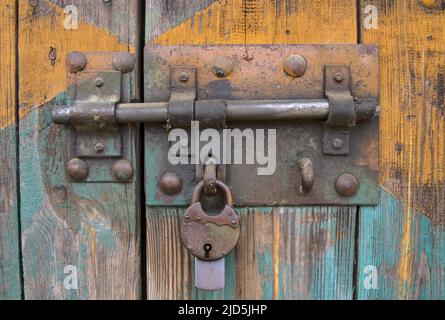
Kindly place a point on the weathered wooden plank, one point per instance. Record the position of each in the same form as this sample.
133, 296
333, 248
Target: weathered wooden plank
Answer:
10, 287
251, 21
404, 236
92, 227
294, 253
284, 253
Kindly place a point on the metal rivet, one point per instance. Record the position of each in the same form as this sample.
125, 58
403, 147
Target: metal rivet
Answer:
122, 171
187, 217
222, 67
198, 219
184, 77
170, 183
429, 3
52, 55
99, 82
99, 147
295, 65
123, 61
76, 61
234, 222
339, 77
347, 185
34, 3
77, 169
60, 193
337, 143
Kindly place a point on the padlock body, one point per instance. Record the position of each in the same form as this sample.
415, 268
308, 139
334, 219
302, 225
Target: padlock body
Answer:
200, 231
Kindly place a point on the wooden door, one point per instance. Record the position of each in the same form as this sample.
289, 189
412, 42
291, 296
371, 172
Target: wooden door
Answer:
121, 248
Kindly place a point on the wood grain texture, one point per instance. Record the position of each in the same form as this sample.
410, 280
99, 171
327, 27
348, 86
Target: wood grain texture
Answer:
284, 253
101, 27
407, 248
10, 286
93, 227
254, 22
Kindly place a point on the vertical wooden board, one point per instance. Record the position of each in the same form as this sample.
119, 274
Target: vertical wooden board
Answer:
404, 236
10, 287
284, 253
95, 227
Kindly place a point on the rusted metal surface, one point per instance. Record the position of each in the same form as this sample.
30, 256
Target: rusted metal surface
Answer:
295, 65
182, 96
258, 74
210, 237
258, 70
97, 82
170, 183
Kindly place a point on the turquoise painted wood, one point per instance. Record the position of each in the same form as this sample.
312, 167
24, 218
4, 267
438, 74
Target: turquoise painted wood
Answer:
381, 245
10, 284
283, 253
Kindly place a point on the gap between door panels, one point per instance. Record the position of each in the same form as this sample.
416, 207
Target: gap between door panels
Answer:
142, 198
355, 271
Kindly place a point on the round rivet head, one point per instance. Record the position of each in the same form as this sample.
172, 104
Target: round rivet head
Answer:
184, 77
347, 185
429, 3
339, 77
222, 67
337, 143
295, 65
99, 147
122, 171
76, 61
123, 61
77, 169
99, 82
170, 183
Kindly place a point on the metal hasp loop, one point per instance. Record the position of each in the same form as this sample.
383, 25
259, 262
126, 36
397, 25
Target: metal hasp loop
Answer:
344, 110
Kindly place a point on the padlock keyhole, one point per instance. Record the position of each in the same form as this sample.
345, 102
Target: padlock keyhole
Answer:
207, 249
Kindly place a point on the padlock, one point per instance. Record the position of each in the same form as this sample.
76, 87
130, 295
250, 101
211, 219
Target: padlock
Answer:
210, 237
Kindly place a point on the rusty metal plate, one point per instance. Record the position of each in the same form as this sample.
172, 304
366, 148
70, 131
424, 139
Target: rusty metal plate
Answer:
115, 140
258, 74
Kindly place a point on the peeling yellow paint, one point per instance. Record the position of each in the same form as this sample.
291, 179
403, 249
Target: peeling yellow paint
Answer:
7, 62
260, 22
42, 79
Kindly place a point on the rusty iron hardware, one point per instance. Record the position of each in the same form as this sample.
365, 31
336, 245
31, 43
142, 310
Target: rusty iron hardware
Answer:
98, 147
210, 237
321, 99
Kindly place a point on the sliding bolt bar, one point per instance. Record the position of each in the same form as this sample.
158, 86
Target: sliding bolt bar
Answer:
249, 110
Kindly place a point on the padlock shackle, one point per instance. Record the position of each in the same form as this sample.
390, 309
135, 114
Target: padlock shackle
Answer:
219, 184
